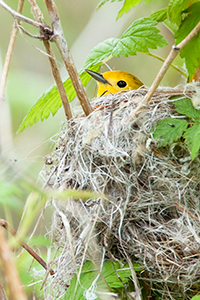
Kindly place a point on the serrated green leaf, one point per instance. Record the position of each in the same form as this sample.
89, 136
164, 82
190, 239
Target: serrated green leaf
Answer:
191, 52
110, 271
88, 275
139, 37
50, 101
190, 21
185, 107
160, 15
192, 139
171, 26
101, 52
91, 281
128, 4
175, 8
104, 1
169, 130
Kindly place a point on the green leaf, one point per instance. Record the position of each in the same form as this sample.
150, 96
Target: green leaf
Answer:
104, 1
139, 37
185, 107
190, 21
88, 275
109, 271
175, 8
50, 101
197, 297
191, 52
128, 4
38, 241
159, 15
91, 281
101, 52
169, 130
192, 139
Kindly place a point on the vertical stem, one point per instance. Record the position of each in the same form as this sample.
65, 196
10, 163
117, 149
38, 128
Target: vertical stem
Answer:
38, 16
9, 270
65, 54
58, 80
9, 54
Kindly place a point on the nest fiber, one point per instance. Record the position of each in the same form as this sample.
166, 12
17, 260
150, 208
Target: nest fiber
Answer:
150, 211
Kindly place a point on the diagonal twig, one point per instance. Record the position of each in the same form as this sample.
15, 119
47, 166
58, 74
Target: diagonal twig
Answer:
46, 34
65, 54
173, 53
9, 270
17, 15
5, 224
2, 293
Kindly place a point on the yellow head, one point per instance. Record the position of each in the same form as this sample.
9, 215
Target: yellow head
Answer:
115, 81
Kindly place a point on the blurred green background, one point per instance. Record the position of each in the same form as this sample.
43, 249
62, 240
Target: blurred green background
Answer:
30, 75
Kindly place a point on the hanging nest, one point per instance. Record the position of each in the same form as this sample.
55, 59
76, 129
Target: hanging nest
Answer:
150, 211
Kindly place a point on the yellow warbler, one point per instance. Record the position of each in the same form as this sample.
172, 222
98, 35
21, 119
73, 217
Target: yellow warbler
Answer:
115, 81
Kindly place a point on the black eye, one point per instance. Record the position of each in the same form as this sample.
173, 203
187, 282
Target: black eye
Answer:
121, 83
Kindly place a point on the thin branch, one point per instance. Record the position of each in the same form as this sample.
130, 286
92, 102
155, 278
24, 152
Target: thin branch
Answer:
9, 269
173, 53
38, 16
65, 54
18, 16
4, 223
35, 36
172, 65
46, 34
58, 80
9, 54
2, 293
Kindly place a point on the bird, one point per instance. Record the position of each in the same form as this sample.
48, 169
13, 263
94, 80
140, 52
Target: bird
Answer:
112, 82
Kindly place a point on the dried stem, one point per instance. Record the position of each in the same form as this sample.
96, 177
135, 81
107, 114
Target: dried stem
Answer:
38, 16
4, 223
2, 293
58, 80
64, 51
17, 15
173, 53
9, 270
9, 54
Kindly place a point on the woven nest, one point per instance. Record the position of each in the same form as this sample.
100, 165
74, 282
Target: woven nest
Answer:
151, 211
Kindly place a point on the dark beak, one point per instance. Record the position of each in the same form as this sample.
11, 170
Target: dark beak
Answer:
97, 76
